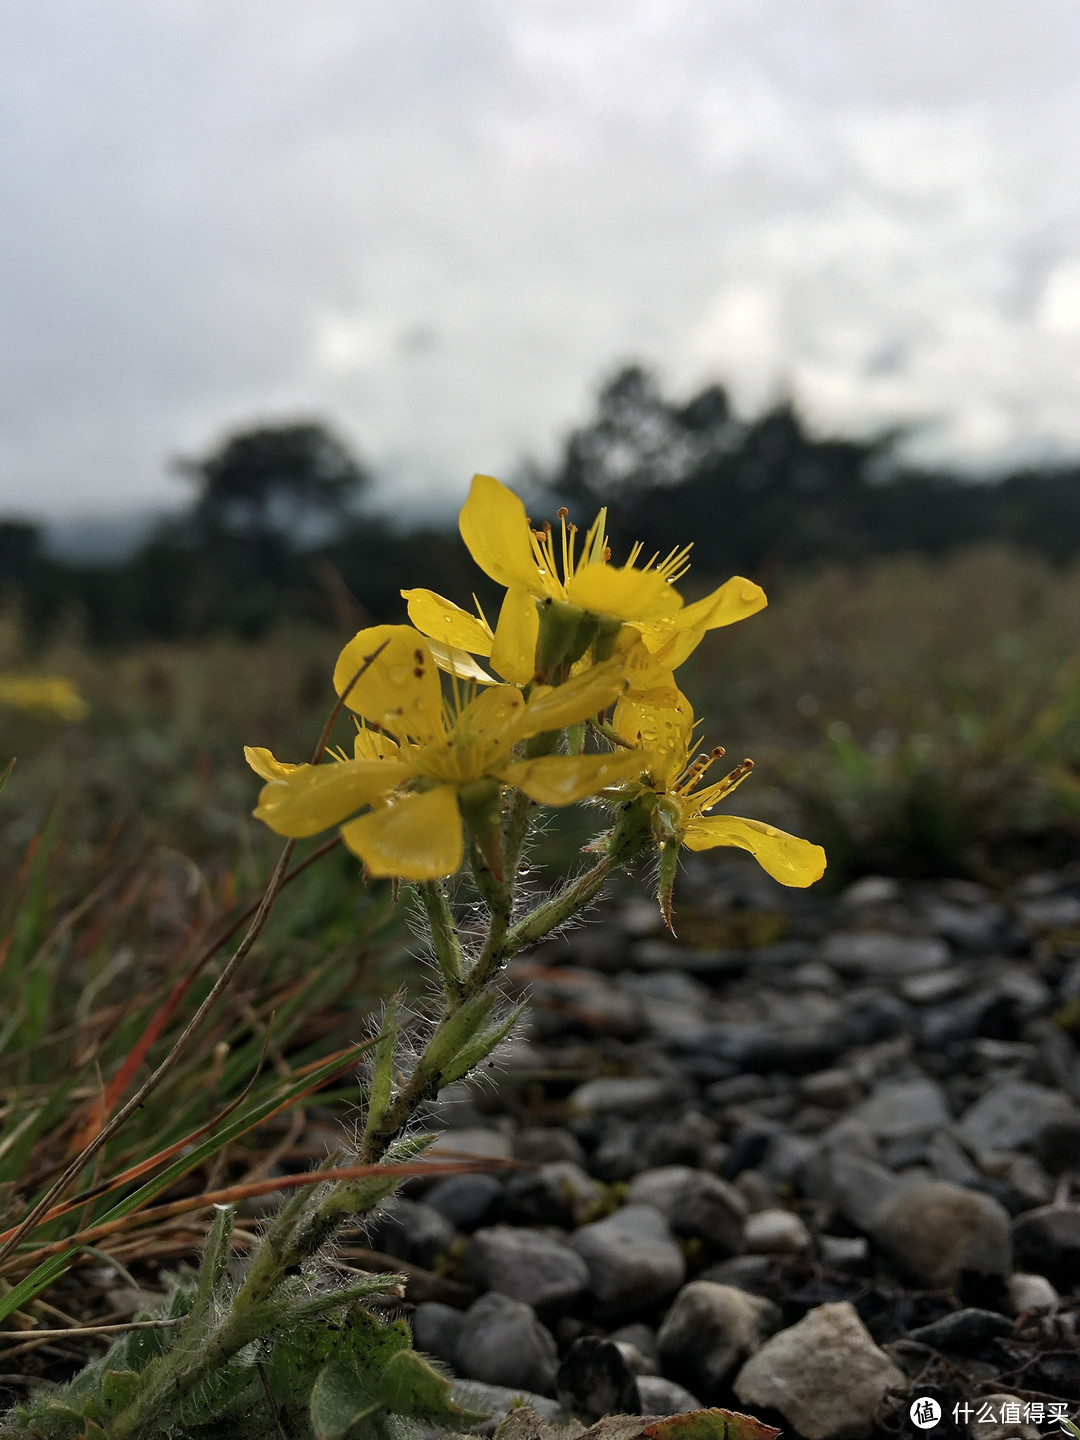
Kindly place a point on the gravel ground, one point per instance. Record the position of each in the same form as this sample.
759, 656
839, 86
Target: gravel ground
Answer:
817, 1179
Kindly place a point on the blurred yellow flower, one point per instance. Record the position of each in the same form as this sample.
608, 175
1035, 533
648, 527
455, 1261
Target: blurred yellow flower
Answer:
439, 763
54, 695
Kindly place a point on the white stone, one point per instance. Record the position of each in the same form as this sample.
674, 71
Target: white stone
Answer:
775, 1232
825, 1375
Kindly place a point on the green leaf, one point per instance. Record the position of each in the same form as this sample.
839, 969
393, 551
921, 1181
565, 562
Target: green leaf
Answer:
338, 1402
411, 1386
94, 1431
215, 1261
119, 1388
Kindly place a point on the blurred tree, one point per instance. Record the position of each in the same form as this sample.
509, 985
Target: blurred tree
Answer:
293, 483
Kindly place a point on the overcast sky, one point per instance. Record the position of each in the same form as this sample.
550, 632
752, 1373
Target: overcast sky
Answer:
439, 223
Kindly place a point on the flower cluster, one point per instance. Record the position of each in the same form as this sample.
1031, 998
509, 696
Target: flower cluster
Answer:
455, 718
52, 695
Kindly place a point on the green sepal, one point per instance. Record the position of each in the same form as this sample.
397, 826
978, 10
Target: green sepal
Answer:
458, 1029
559, 623
481, 1047
94, 1431
215, 1261
481, 809
669, 867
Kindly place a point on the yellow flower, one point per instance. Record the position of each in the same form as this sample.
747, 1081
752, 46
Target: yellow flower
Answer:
542, 573
679, 803
439, 763
46, 695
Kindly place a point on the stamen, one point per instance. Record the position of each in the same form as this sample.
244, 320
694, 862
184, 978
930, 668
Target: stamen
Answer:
694, 772
573, 541
725, 786
480, 611
566, 571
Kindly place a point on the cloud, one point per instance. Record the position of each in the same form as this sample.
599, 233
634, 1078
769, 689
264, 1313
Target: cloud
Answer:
439, 225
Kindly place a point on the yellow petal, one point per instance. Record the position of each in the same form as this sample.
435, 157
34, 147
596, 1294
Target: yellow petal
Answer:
415, 837
266, 765
314, 797
551, 707
665, 731
495, 529
736, 599
513, 653
446, 622
785, 857
400, 689
563, 779
452, 661
623, 592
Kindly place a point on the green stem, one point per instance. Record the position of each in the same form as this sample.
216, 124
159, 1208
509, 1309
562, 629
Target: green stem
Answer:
444, 936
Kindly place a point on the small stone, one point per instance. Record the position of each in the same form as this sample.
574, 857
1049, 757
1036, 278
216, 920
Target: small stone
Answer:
940, 1232
756, 1191
546, 1145
934, 986
881, 953
1057, 1144
411, 1231
999, 1429
697, 1204
949, 1161
557, 1194
436, 1329
900, 1109
775, 1232
526, 1265
967, 1332
844, 1252
1047, 1241
642, 1340
1010, 1114
620, 1095
466, 1200
859, 1188
632, 1260
825, 1375
1030, 1292
709, 1330
502, 1342
1051, 912
685, 1142
835, 1089
595, 1380
711, 1210
872, 890
474, 1142
753, 1273
664, 1397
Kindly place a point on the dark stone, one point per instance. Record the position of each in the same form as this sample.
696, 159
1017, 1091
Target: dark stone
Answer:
1047, 1241
467, 1201
544, 1145
436, 1329
1057, 1145
595, 1380
414, 1232
968, 1332
746, 1152
502, 1342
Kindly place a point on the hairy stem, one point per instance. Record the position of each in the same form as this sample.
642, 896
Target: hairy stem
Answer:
444, 936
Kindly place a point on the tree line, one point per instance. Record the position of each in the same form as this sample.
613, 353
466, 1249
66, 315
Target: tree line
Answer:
276, 526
